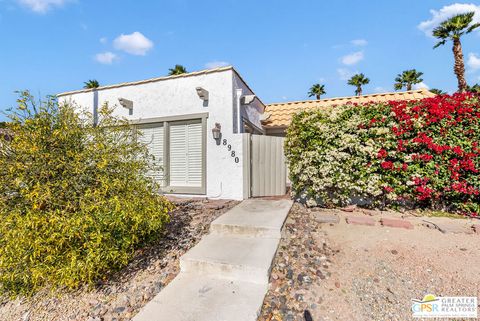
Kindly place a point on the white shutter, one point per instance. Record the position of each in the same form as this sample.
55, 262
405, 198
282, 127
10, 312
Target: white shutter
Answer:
185, 154
153, 137
194, 134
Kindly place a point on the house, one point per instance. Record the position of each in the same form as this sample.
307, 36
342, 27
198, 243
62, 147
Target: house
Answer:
196, 125
208, 131
280, 114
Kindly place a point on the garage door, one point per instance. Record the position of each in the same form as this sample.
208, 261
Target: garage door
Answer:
153, 137
185, 154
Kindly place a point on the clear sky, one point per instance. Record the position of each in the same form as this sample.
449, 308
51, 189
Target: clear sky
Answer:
279, 47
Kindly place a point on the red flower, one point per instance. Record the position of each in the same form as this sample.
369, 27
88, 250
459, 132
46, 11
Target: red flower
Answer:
387, 165
382, 153
424, 192
457, 150
388, 189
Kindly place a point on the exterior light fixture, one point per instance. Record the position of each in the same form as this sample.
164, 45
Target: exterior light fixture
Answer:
217, 133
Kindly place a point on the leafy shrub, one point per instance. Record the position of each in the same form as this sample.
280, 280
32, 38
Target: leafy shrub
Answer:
74, 198
417, 153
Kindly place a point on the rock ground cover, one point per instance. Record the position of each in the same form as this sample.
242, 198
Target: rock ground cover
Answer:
340, 271
122, 296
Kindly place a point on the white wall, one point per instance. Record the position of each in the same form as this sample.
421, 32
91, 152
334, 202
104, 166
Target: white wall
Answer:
253, 111
177, 96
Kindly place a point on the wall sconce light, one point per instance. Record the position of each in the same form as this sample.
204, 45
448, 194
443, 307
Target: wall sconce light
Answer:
217, 133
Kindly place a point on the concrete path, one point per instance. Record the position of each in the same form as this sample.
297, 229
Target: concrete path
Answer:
225, 276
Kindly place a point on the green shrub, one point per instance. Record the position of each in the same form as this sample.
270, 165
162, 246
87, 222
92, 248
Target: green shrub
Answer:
415, 154
74, 198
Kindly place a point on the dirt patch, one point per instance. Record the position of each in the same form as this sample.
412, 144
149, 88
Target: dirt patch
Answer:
367, 272
123, 295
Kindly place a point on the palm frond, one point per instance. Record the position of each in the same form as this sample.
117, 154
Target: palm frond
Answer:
440, 43
473, 27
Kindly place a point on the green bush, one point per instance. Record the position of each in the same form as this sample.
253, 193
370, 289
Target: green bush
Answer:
413, 154
74, 198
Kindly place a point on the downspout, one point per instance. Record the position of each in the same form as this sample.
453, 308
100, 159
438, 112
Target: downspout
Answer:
95, 107
238, 120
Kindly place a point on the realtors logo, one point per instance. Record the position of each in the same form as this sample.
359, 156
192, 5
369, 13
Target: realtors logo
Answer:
444, 307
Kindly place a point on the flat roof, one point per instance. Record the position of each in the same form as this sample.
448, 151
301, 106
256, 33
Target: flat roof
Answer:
145, 81
163, 78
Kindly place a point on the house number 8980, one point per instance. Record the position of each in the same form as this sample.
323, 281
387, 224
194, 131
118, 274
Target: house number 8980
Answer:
232, 154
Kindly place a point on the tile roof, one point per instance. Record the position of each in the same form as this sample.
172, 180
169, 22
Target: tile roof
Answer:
281, 113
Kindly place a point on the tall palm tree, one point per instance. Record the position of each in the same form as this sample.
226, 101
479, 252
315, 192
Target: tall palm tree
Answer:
317, 90
358, 81
453, 29
407, 79
177, 70
92, 83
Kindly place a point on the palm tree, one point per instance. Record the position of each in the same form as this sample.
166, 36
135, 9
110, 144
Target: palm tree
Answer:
91, 84
437, 91
453, 29
474, 89
177, 70
358, 81
407, 79
317, 90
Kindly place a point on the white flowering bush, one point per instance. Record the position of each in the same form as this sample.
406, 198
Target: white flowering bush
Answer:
326, 150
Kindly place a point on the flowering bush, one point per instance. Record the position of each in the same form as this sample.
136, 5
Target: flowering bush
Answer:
410, 153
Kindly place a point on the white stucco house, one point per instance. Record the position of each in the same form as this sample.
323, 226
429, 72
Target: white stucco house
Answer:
178, 116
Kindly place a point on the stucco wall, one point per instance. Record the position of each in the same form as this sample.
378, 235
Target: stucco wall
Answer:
253, 111
172, 97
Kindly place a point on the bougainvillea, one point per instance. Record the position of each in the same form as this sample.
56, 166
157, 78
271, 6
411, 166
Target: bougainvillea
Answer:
411, 153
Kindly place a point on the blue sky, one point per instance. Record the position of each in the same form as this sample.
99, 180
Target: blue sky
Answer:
280, 47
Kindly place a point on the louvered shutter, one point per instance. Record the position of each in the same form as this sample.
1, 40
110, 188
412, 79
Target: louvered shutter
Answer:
153, 136
185, 154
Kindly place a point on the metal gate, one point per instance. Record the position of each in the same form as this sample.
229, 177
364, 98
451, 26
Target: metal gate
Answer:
267, 167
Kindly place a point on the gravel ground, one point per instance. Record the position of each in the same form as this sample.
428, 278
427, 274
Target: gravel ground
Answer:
351, 272
128, 291
302, 263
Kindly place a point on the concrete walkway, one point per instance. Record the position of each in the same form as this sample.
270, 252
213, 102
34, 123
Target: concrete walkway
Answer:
225, 276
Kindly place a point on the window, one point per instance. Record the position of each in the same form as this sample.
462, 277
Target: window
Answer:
178, 148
